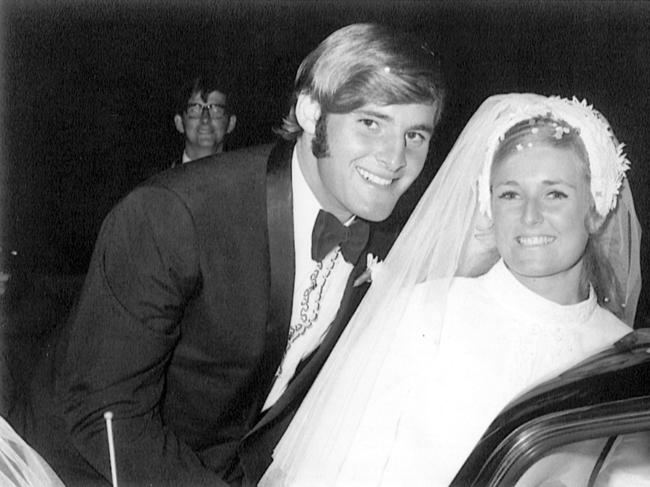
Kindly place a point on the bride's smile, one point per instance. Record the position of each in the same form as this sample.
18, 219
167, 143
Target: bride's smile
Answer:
540, 203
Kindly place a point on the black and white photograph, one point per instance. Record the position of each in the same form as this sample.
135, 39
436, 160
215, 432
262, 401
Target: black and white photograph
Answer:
287, 243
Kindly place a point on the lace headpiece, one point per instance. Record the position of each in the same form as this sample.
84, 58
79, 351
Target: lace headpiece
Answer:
607, 161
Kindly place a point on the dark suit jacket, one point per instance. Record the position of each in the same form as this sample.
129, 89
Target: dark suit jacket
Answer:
180, 327
176, 162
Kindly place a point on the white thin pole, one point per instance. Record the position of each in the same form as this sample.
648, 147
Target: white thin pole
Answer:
108, 416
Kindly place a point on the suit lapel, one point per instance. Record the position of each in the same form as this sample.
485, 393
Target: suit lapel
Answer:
256, 448
308, 370
281, 256
279, 200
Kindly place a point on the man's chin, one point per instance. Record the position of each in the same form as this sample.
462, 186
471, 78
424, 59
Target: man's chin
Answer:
376, 214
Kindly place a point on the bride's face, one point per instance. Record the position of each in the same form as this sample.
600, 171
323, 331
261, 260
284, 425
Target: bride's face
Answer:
540, 207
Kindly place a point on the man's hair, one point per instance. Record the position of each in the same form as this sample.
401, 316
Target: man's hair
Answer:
204, 83
362, 64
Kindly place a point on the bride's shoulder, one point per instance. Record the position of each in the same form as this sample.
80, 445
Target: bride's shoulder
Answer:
609, 323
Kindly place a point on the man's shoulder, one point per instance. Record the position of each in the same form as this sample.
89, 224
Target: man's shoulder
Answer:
240, 159
254, 151
235, 180
257, 154
218, 170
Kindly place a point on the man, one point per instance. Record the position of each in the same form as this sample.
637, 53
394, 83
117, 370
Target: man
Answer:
204, 115
209, 305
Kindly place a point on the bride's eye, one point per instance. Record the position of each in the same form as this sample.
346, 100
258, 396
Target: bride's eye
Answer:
557, 195
507, 195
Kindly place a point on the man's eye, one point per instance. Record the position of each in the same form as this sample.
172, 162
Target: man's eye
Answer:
415, 139
371, 124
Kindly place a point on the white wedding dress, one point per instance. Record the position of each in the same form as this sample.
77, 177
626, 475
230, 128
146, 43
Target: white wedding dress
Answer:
20, 465
438, 391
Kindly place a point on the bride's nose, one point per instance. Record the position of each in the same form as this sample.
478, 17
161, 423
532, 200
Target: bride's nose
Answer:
532, 213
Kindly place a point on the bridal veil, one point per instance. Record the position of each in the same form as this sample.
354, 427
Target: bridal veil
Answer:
434, 246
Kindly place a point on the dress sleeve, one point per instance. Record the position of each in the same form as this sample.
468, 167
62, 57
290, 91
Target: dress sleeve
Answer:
144, 268
21, 465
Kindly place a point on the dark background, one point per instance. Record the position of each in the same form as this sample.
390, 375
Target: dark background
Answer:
88, 89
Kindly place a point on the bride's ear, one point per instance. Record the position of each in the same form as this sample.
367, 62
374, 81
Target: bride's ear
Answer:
483, 224
479, 252
594, 220
307, 112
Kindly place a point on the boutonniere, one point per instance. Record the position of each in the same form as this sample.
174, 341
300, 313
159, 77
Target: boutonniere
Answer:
373, 264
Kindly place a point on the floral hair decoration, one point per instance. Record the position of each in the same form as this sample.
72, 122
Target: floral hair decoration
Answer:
607, 161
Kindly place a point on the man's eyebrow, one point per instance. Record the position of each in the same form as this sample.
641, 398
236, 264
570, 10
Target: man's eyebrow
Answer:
382, 116
424, 127
373, 113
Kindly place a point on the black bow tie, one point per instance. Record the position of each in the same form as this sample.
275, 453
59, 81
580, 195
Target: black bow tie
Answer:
330, 232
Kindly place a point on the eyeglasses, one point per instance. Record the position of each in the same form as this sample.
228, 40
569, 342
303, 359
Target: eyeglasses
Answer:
195, 110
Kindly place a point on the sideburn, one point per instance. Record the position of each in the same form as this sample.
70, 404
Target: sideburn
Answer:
319, 142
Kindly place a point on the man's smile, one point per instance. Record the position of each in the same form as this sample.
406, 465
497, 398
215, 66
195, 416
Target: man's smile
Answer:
373, 178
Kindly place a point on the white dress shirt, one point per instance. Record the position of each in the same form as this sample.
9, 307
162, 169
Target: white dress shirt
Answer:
305, 211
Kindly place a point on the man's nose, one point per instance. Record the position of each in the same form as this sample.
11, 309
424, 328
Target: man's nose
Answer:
532, 212
205, 114
392, 153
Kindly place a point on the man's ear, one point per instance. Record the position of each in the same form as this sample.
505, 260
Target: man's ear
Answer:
307, 113
178, 122
232, 121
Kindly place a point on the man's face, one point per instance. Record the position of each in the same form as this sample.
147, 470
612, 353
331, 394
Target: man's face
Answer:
204, 131
373, 155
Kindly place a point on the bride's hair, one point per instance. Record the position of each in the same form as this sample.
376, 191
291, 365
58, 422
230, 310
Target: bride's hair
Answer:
551, 132
545, 131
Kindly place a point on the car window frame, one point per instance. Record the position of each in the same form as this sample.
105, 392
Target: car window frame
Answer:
534, 439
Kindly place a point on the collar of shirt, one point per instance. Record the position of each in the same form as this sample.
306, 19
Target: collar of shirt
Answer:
305, 211
186, 158
304, 214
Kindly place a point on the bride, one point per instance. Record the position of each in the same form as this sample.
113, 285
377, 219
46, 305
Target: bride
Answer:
532, 209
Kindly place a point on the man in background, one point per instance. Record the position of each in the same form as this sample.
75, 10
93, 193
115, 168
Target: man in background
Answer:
205, 116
